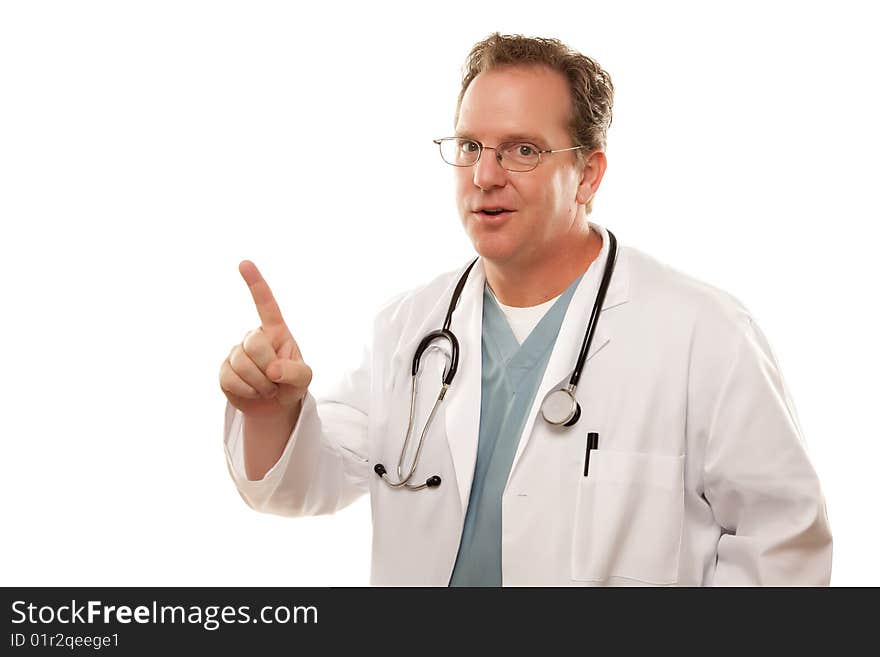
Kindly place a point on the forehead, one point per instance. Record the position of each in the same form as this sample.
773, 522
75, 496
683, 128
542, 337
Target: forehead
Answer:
516, 101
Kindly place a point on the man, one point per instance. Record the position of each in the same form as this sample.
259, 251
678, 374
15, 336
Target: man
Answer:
682, 463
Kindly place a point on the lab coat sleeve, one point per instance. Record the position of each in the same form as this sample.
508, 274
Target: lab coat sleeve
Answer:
758, 480
323, 467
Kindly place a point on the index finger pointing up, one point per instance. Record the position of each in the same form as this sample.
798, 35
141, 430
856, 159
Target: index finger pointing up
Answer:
267, 307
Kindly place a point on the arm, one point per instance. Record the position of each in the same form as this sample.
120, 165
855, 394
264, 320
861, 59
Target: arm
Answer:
758, 479
265, 438
323, 465
285, 454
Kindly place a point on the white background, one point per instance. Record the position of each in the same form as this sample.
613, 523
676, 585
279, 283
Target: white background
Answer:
148, 147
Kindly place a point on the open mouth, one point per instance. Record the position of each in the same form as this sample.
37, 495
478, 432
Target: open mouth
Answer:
492, 212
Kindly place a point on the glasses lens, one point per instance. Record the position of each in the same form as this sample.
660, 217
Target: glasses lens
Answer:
519, 156
459, 152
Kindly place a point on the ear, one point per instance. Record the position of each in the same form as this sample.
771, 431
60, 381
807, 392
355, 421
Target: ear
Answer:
591, 176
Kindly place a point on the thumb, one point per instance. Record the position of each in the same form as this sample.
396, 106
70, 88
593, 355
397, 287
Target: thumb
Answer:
291, 372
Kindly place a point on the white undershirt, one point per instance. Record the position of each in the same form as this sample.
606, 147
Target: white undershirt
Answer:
523, 320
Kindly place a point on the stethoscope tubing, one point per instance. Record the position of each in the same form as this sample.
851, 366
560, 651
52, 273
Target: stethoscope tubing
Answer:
594, 315
447, 334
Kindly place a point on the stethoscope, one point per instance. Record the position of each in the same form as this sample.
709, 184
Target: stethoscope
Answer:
559, 408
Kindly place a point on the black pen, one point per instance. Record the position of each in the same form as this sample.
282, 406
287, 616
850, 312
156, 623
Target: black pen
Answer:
592, 443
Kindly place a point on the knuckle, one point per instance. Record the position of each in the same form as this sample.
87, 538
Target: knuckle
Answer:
265, 386
241, 386
242, 363
234, 386
249, 338
256, 343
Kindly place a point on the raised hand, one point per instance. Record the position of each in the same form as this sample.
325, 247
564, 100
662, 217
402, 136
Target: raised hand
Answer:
265, 374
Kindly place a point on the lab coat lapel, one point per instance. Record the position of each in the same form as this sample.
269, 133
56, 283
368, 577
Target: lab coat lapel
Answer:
571, 336
464, 396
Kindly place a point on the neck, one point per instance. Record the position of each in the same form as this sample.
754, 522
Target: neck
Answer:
524, 284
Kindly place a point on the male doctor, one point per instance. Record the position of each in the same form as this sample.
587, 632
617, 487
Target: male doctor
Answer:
683, 463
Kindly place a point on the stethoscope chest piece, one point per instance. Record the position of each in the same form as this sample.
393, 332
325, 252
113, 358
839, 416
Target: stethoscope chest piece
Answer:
560, 408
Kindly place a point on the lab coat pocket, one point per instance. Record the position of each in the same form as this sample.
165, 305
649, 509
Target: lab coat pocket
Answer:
628, 518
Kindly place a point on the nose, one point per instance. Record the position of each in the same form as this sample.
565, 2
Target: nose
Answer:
488, 172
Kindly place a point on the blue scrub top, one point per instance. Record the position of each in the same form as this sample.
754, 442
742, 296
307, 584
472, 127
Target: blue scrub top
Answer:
511, 376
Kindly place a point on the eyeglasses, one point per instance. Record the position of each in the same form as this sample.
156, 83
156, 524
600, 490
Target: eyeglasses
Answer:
516, 156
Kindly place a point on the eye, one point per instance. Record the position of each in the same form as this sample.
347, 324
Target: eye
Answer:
526, 150
468, 145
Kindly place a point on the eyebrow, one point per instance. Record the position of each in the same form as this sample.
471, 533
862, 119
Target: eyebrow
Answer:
508, 138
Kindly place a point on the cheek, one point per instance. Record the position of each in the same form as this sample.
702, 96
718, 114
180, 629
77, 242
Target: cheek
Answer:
542, 195
463, 201
558, 192
464, 178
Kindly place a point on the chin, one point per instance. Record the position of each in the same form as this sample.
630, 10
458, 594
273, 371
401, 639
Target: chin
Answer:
494, 247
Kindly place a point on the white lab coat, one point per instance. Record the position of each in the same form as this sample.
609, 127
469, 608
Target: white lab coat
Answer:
701, 475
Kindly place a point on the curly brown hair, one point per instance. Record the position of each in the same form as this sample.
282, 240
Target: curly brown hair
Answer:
592, 93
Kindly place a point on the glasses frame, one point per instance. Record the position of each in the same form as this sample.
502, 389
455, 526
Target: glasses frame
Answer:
498, 149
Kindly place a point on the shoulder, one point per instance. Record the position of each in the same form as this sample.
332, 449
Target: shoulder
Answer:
666, 294
695, 323
421, 301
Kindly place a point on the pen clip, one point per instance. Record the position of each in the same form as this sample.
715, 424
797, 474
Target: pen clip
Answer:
592, 443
